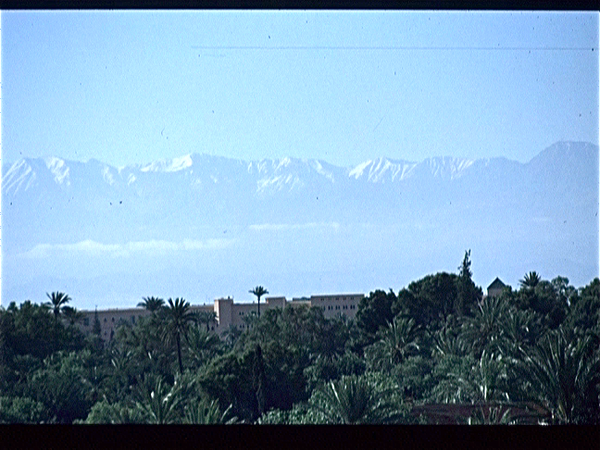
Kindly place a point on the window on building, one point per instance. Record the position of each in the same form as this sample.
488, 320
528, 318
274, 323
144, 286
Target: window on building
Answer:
337, 307
86, 322
132, 319
105, 320
113, 319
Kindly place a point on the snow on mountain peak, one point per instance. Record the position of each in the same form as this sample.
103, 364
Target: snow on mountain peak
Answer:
169, 165
19, 174
381, 169
448, 167
357, 172
108, 177
59, 169
316, 164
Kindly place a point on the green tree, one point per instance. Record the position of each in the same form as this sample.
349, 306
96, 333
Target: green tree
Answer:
584, 312
483, 331
229, 379
207, 318
414, 377
396, 342
177, 320
120, 369
359, 400
104, 412
447, 341
431, 299
549, 299
151, 349
205, 412
152, 304
374, 312
157, 402
530, 280
63, 387
287, 337
30, 330
473, 380
57, 302
550, 304
259, 291
323, 369
259, 380
202, 345
468, 295
563, 373
520, 329
72, 314
21, 410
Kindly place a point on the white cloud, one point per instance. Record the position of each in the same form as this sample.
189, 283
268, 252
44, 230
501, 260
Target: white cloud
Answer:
294, 226
93, 248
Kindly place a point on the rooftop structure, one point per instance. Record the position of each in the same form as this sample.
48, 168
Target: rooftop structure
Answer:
496, 288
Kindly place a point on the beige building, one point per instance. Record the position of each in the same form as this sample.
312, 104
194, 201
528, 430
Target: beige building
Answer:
228, 313
335, 305
110, 319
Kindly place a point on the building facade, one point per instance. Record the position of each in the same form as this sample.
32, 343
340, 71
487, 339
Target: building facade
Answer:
228, 313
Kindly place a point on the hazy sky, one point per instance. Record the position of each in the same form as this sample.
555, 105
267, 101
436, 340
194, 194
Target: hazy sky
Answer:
132, 87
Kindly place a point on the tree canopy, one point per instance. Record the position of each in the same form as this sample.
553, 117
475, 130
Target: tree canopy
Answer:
437, 352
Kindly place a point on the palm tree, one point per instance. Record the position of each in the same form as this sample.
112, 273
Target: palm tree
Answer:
484, 329
520, 328
396, 342
206, 317
446, 342
177, 320
57, 302
207, 413
72, 314
202, 345
259, 291
356, 400
564, 373
530, 280
152, 304
400, 338
158, 402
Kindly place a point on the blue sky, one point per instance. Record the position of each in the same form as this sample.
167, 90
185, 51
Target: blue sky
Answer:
133, 87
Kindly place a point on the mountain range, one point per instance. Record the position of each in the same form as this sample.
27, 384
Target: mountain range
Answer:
107, 233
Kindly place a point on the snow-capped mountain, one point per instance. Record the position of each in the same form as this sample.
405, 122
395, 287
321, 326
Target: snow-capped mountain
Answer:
382, 205
266, 175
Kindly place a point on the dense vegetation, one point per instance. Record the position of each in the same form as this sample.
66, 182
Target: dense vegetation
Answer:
531, 355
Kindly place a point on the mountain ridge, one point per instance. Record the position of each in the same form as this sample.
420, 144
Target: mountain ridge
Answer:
270, 172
